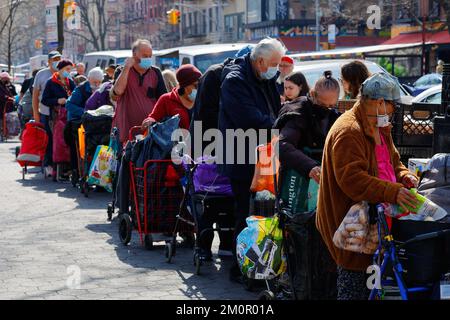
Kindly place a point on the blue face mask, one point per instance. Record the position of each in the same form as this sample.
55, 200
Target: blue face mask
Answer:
193, 95
55, 65
66, 74
270, 73
145, 63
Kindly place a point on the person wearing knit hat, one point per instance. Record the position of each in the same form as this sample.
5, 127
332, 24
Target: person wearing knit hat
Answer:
180, 100
286, 67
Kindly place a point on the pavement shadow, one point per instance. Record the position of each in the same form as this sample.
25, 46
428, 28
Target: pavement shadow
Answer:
203, 286
37, 182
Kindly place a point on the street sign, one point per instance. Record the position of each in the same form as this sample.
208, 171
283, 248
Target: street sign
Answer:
51, 16
332, 33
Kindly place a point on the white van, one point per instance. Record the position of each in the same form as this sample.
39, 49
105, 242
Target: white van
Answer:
103, 59
201, 56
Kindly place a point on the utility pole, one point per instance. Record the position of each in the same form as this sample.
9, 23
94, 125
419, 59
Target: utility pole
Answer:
424, 58
180, 8
317, 26
60, 10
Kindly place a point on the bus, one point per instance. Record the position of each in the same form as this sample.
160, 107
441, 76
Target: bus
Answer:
202, 56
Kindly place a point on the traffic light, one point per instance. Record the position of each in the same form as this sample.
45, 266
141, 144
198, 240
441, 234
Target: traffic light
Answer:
69, 9
38, 44
178, 16
173, 16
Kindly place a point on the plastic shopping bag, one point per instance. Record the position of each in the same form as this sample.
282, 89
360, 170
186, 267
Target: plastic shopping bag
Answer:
427, 210
355, 234
263, 178
259, 248
103, 168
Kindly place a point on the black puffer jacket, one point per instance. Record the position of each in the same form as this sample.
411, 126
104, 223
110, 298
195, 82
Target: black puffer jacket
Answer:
303, 125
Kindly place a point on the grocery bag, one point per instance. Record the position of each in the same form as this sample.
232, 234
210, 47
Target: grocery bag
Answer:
103, 167
355, 233
265, 168
427, 210
298, 193
259, 248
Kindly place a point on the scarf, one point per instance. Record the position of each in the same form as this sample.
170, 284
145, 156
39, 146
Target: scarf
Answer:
66, 86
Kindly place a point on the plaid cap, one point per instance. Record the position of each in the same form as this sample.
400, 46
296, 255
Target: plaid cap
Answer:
54, 54
381, 86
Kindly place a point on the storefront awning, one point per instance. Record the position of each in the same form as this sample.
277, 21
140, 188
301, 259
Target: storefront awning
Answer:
441, 37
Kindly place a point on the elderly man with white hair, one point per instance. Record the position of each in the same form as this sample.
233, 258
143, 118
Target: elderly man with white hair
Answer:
75, 109
249, 100
138, 88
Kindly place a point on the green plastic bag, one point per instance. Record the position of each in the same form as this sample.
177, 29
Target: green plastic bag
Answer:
298, 193
103, 167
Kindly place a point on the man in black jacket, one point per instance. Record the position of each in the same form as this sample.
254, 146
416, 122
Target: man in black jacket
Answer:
249, 100
206, 112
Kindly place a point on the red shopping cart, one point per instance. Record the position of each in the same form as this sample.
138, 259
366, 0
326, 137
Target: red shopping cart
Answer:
157, 194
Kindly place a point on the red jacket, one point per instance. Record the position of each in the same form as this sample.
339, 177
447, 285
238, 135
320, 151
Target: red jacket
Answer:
169, 105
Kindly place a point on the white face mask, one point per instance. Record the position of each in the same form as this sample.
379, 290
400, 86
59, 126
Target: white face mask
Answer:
383, 120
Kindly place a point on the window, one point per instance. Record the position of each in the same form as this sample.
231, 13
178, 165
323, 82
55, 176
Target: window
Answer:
211, 19
254, 11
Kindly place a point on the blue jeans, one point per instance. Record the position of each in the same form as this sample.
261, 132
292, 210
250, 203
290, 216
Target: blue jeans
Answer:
48, 159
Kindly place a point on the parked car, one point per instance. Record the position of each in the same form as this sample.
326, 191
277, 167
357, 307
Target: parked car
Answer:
313, 70
432, 95
424, 83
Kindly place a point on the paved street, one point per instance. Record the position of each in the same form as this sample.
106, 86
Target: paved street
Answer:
49, 231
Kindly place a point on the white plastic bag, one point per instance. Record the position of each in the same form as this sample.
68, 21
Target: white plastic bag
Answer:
353, 233
427, 210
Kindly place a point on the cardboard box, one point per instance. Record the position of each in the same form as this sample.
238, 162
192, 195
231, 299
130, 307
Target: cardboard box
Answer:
418, 166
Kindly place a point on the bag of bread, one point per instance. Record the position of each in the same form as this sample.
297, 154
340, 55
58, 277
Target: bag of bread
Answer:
353, 232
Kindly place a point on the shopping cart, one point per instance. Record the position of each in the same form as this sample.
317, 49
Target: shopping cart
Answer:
4, 134
156, 194
93, 132
405, 264
210, 206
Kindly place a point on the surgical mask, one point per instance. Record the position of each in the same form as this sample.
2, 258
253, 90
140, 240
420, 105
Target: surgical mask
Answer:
193, 95
270, 73
145, 63
94, 88
55, 65
66, 74
383, 120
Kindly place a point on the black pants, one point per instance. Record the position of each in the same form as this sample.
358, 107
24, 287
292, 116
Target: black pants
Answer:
206, 221
241, 191
48, 159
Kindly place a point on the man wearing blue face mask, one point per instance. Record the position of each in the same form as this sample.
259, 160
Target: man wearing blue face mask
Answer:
138, 88
41, 112
249, 100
